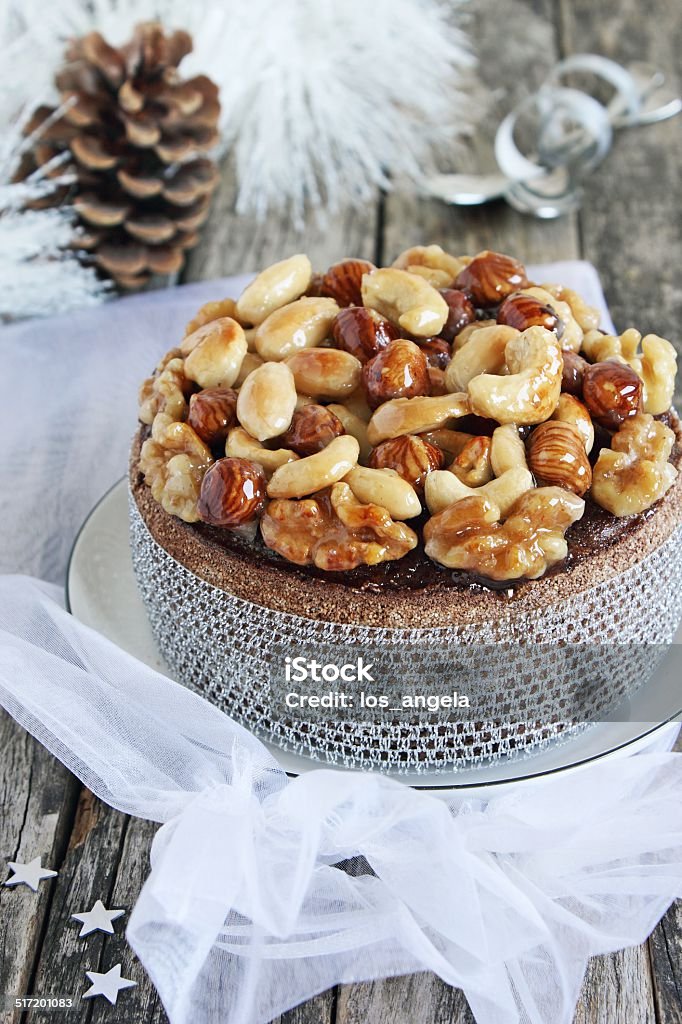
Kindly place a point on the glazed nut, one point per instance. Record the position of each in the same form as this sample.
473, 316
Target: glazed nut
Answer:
587, 317
436, 278
413, 458
571, 333
240, 445
216, 358
571, 410
470, 535
304, 323
612, 393
233, 493
461, 313
325, 372
431, 258
483, 353
473, 464
437, 352
274, 287
334, 531
467, 333
405, 299
557, 457
212, 413
437, 381
415, 415
443, 488
355, 426
250, 362
267, 400
362, 332
659, 368
313, 473
507, 450
490, 277
211, 311
311, 430
634, 472
522, 310
530, 392
398, 371
386, 488
165, 392
343, 281
449, 442
574, 370
173, 461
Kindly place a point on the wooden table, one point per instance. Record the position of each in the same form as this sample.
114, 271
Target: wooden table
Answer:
629, 227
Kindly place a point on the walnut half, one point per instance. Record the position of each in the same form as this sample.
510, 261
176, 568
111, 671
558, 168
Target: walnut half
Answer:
174, 460
334, 531
634, 472
469, 535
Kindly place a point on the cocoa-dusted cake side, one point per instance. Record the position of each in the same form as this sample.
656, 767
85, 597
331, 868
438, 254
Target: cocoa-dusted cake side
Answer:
247, 571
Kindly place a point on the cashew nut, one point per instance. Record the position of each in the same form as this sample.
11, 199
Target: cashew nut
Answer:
405, 299
386, 488
655, 364
530, 393
298, 479
466, 334
241, 445
483, 353
443, 488
588, 317
274, 287
216, 358
415, 415
507, 450
301, 324
267, 400
572, 335
432, 257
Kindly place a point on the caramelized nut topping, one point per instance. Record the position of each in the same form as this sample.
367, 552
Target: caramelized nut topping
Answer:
311, 430
634, 473
557, 457
399, 371
491, 277
362, 332
411, 457
612, 393
343, 281
233, 493
173, 461
212, 413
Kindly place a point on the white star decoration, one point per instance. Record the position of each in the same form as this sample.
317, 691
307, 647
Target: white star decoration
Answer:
108, 985
31, 874
99, 919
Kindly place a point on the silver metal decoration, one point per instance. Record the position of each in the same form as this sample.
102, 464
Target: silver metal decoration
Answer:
572, 134
229, 650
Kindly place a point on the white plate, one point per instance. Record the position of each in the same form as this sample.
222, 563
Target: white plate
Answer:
102, 593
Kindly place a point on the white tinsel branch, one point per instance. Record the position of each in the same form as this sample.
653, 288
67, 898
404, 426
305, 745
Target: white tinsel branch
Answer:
323, 101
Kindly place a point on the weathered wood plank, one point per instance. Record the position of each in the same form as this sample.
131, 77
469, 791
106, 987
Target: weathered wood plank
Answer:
37, 804
617, 990
413, 997
231, 244
665, 951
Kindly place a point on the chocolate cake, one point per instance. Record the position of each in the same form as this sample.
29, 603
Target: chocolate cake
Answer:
435, 460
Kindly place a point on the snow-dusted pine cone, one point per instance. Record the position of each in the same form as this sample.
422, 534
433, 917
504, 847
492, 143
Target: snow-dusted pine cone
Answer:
136, 134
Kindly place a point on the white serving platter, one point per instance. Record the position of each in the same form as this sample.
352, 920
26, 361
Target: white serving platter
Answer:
102, 593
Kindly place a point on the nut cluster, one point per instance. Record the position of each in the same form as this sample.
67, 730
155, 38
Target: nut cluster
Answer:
449, 391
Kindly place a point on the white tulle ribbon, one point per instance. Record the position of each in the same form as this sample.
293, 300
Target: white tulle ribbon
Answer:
244, 913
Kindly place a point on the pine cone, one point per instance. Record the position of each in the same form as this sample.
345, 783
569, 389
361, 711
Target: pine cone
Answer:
133, 130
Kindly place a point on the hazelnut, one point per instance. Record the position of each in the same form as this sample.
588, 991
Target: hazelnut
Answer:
461, 313
212, 413
311, 430
612, 393
343, 281
398, 371
362, 332
522, 311
437, 352
233, 492
574, 370
413, 458
557, 457
491, 277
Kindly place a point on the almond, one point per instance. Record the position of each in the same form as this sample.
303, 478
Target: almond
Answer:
212, 413
437, 352
462, 312
362, 332
522, 311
